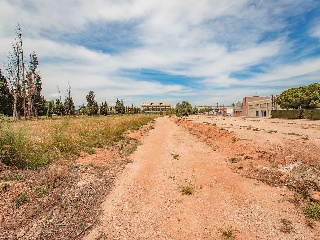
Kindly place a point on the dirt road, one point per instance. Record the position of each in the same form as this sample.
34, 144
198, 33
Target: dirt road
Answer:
147, 201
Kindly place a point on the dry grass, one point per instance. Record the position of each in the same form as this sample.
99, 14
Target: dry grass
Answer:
29, 144
60, 200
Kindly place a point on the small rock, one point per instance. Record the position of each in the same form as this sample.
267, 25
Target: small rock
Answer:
315, 196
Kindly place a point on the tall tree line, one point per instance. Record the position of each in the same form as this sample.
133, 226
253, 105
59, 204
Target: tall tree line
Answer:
21, 90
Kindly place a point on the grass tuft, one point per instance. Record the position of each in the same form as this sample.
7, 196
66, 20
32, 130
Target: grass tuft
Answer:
187, 189
21, 199
312, 210
228, 233
233, 160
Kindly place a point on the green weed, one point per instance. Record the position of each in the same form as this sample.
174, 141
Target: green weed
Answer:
42, 191
13, 177
312, 210
228, 233
21, 199
233, 160
187, 189
91, 151
188, 186
132, 149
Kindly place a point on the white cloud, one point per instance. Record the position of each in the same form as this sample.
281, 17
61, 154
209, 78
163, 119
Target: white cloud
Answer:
208, 39
293, 72
315, 31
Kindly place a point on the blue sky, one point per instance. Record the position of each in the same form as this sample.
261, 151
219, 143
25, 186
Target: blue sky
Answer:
202, 51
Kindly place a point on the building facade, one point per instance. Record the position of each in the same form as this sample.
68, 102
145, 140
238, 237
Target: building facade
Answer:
255, 107
155, 107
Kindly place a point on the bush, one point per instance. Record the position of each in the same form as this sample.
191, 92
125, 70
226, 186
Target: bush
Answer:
17, 150
288, 114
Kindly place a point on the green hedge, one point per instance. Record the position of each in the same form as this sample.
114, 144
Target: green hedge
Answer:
313, 114
289, 114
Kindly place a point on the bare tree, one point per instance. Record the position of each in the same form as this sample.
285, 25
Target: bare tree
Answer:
16, 74
25, 84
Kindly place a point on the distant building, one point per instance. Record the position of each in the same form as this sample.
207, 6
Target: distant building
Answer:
255, 107
155, 107
216, 110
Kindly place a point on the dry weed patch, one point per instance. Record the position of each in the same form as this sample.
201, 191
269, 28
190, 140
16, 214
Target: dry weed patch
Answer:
29, 144
59, 200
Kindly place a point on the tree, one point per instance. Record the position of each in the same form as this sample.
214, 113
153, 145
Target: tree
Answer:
16, 73
183, 109
120, 109
136, 110
6, 98
25, 84
69, 107
92, 106
58, 107
312, 95
82, 110
302, 97
104, 108
49, 108
36, 102
40, 106
195, 110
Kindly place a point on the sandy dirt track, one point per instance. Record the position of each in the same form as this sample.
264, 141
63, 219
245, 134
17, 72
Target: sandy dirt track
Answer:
147, 202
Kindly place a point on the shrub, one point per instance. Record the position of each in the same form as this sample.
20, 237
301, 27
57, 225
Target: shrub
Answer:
12, 147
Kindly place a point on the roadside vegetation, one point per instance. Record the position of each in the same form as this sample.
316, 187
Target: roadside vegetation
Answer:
47, 193
301, 102
29, 144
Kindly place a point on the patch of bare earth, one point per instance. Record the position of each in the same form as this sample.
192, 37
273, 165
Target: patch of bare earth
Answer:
198, 181
62, 201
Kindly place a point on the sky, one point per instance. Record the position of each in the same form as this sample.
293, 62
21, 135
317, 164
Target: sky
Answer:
202, 51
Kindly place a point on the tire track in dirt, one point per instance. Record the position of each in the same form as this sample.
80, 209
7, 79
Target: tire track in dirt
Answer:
147, 203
